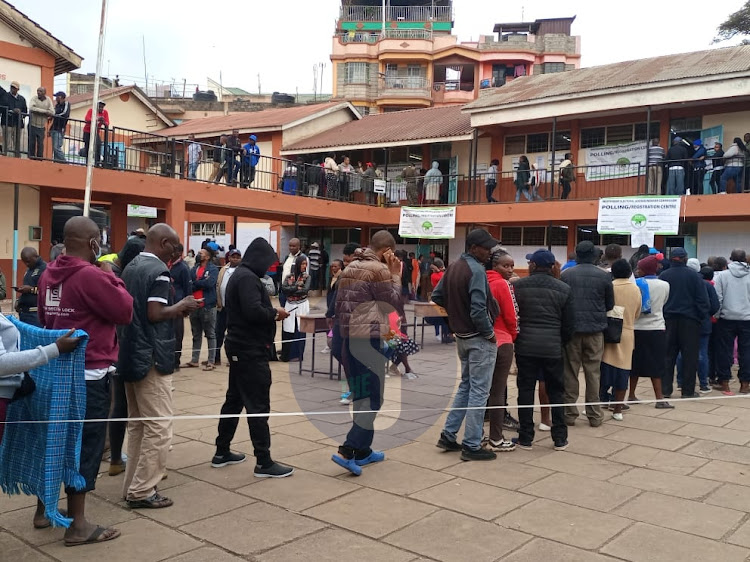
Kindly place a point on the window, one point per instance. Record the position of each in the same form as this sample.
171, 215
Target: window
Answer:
340, 236
357, 73
363, 109
537, 143
688, 229
640, 131
621, 239
557, 236
510, 235
208, 228
618, 134
562, 141
588, 233
686, 124
515, 145
593, 137
552, 67
534, 236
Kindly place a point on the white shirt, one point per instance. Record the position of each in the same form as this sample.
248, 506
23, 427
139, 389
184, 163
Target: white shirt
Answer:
194, 152
225, 282
288, 264
97, 374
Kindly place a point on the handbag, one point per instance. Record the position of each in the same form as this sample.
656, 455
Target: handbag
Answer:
28, 386
613, 331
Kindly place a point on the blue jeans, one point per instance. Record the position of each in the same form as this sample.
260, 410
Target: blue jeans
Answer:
477, 356
702, 362
57, 142
676, 182
192, 170
730, 172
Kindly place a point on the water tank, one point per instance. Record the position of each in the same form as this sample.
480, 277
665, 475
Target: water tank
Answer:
210, 95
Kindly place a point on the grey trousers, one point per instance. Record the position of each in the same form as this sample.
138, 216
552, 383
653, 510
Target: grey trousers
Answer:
584, 350
203, 322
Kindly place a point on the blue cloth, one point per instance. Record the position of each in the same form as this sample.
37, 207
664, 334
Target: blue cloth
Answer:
36, 458
645, 294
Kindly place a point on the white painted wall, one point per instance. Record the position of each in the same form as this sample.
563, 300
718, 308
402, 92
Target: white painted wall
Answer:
720, 238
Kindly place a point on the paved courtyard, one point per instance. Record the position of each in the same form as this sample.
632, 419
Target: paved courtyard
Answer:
660, 485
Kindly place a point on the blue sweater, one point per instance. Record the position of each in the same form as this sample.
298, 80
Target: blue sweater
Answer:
688, 296
207, 283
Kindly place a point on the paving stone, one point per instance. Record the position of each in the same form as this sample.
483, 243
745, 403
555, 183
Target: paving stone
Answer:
15, 502
651, 439
647, 423
473, 498
646, 543
371, 512
719, 451
681, 414
543, 549
581, 465
306, 430
110, 487
333, 545
300, 491
425, 455
658, 459
511, 476
141, 540
229, 477
449, 537
741, 536
281, 446
204, 554
15, 550
725, 472
189, 454
681, 515
593, 446
565, 523
397, 477
182, 426
253, 528
680, 486
580, 491
731, 496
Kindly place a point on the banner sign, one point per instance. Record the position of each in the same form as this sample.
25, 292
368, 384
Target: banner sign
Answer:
637, 215
620, 161
141, 211
428, 222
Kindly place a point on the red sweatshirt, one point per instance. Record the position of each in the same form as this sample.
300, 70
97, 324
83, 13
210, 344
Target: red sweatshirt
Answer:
506, 324
74, 293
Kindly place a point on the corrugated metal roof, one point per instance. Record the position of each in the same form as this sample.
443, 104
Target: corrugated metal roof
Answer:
641, 72
104, 94
250, 120
391, 128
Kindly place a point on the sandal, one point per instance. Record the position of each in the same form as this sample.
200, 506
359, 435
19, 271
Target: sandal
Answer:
47, 524
209, 367
190, 365
154, 502
100, 534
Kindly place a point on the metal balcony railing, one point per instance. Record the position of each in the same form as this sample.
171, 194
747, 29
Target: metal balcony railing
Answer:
397, 13
373, 37
405, 83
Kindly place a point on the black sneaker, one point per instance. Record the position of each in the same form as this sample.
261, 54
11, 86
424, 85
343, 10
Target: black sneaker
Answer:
524, 446
480, 454
446, 444
510, 422
276, 470
226, 459
561, 446
693, 395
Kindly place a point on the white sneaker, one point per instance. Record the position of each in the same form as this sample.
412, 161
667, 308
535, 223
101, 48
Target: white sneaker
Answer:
544, 427
410, 376
617, 417
439, 339
326, 349
393, 372
345, 401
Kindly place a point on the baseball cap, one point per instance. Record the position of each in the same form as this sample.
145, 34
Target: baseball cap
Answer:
16, 85
234, 252
542, 258
101, 102
678, 253
253, 138
60, 94
480, 237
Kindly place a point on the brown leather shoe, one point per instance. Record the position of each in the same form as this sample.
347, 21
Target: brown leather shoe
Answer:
745, 388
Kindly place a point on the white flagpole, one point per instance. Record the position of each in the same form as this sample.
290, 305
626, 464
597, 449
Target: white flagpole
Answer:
94, 135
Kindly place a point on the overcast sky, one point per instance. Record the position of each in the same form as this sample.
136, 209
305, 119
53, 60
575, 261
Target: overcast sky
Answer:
282, 40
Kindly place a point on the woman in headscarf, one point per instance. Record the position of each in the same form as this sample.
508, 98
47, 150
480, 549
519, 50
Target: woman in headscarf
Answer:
433, 180
296, 287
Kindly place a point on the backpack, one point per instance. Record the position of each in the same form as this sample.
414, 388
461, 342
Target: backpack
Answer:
567, 173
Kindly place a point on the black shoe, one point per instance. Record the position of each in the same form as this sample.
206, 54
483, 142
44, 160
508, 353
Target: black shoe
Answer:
480, 454
226, 459
446, 444
276, 470
511, 423
693, 395
561, 446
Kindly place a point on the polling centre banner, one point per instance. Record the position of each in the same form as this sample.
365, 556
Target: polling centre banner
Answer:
427, 222
619, 161
641, 217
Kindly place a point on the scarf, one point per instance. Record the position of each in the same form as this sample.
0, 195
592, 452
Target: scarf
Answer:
36, 458
645, 293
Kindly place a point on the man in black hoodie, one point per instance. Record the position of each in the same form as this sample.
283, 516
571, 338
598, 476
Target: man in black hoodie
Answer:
251, 326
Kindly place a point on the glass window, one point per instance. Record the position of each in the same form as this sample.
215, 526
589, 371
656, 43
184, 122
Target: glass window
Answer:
534, 236
357, 72
538, 142
593, 137
510, 235
552, 67
354, 235
588, 233
515, 145
686, 124
562, 140
621, 239
557, 235
618, 134
208, 228
640, 131
340, 236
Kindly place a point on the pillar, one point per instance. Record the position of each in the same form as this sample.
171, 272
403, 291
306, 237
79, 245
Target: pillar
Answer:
118, 223
572, 230
45, 221
176, 216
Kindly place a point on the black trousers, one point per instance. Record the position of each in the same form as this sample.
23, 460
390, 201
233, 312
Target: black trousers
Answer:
221, 331
529, 370
683, 336
94, 434
179, 335
249, 388
119, 410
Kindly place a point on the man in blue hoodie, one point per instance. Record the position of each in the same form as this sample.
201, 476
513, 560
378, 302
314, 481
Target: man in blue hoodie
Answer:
733, 290
250, 158
203, 321
684, 311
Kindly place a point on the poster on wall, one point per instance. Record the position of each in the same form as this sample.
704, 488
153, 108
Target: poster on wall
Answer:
142, 211
247, 232
641, 217
620, 161
223, 240
427, 222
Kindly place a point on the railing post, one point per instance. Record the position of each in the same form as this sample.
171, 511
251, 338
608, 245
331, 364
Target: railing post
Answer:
172, 162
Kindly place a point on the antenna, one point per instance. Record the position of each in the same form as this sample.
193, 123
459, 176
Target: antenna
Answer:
145, 72
522, 11
259, 83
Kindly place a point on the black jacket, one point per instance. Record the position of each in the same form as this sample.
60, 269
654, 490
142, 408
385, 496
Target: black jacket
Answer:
677, 152
593, 296
251, 319
688, 296
713, 308
545, 310
181, 281
7, 104
62, 113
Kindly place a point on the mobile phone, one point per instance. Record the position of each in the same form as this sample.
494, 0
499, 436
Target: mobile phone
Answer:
16, 288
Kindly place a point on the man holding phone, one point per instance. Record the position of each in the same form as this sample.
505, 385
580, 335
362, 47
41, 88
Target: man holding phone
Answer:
26, 305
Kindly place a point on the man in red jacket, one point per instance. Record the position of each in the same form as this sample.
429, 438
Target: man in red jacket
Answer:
75, 293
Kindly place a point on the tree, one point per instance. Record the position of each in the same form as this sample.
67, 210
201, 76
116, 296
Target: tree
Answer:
737, 23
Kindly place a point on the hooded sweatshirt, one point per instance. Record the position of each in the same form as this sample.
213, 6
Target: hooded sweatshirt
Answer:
74, 293
14, 362
733, 289
506, 323
251, 318
434, 175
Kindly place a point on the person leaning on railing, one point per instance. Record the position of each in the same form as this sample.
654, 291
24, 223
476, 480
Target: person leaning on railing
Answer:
59, 123
12, 109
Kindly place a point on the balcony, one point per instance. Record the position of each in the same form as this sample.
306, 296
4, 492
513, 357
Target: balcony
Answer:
404, 87
372, 37
397, 13
453, 91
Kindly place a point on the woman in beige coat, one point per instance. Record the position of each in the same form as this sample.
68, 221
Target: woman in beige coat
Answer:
618, 357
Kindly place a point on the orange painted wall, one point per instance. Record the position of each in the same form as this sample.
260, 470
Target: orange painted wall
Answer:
32, 56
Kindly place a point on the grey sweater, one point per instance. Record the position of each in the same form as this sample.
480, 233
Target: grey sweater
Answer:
13, 363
